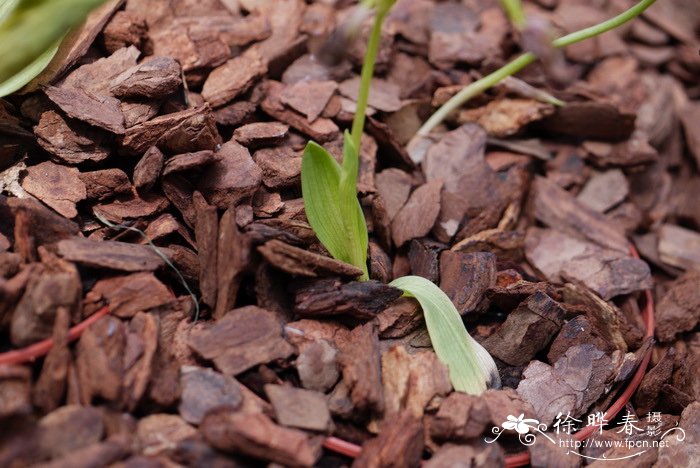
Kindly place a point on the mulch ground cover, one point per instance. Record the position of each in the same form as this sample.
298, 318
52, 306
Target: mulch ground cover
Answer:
186, 120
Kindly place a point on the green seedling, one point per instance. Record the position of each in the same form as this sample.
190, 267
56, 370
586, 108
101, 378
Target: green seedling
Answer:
330, 198
31, 32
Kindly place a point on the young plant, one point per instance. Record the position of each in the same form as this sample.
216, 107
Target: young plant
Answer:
330, 198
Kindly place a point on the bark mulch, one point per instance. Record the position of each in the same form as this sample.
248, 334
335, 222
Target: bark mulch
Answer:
187, 120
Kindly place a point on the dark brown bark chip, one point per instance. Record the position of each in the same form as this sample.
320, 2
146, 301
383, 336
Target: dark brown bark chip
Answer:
103, 184
296, 407
594, 120
679, 247
69, 428
15, 391
97, 110
458, 152
235, 113
94, 77
526, 331
449, 455
139, 353
577, 331
159, 433
575, 382
320, 130
137, 112
394, 186
360, 363
400, 443
646, 398
104, 453
679, 309
100, 360
206, 233
257, 134
233, 254
234, 177
418, 215
400, 318
132, 208
154, 78
127, 295
189, 161
383, 95
362, 300
70, 142
60, 187
281, 166
109, 254
205, 389
466, 277
308, 97
255, 435
690, 117
53, 226
148, 169
241, 339
317, 365
297, 261
126, 28
233, 78
50, 387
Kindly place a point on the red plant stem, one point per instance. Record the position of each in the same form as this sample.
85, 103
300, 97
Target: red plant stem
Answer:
342, 447
37, 350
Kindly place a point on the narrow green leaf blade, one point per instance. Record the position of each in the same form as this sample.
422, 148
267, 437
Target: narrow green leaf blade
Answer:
472, 369
334, 218
350, 206
30, 72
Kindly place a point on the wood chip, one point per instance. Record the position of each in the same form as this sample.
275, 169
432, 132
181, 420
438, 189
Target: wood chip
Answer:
296, 407
139, 352
154, 78
317, 365
158, 433
302, 262
15, 384
417, 217
70, 142
189, 161
109, 254
257, 134
127, 295
100, 360
106, 183
233, 254
679, 247
281, 166
233, 78
604, 190
308, 97
400, 442
679, 309
148, 169
100, 111
383, 95
204, 390
59, 187
255, 435
50, 387
362, 300
394, 186
135, 207
505, 117
234, 177
241, 339
206, 234
69, 428
125, 29
466, 277
361, 368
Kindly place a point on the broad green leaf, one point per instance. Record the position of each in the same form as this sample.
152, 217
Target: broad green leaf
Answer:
333, 216
31, 30
472, 369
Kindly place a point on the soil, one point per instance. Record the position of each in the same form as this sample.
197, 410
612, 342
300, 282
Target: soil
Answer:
186, 121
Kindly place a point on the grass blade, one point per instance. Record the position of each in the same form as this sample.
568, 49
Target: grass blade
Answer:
472, 369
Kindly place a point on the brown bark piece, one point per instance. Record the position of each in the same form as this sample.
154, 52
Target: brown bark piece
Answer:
50, 387
154, 78
69, 428
132, 208
281, 166
71, 143
308, 97
180, 132
241, 339
604, 190
257, 134
690, 117
234, 177
105, 183
139, 352
206, 234
526, 331
400, 318
646, 398
296, 407
97, 110
148, 169
575, 382
505, 117
235, 113
423, 256
58, 186
15, 390
593, 120
137, 112
189, 161
418, 215
363, 300
317, 365
255, 435
125, 29
302, 262
466, 277
558, 209
100, 360
205, 389
320, 130
94, 77
160, 433
679, 309
383, 95
400, 443
192, 42
679, 452
394, 186
360, 362
577, 331
233, 78
679, 247
607, 272
233, 253
109, 254
127, 295
53, 226
450, 455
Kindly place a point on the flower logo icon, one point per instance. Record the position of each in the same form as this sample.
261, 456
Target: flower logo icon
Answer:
519, 424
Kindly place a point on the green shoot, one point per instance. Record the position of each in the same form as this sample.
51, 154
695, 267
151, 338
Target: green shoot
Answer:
521, 62
514, 10
30, 33
471, 368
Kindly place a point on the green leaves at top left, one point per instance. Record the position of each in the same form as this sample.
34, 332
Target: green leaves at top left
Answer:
331, 204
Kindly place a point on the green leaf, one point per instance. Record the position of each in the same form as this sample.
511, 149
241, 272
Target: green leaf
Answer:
31, 71
332, 207
472, 369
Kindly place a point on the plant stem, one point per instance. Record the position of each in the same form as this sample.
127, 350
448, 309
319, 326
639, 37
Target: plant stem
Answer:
514, 10
524, 60
358, 122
